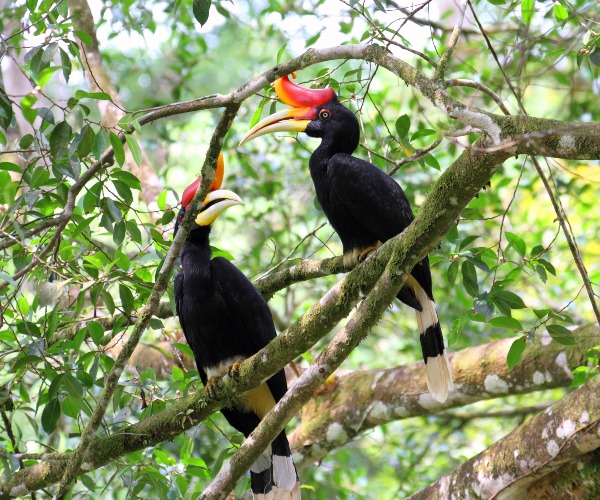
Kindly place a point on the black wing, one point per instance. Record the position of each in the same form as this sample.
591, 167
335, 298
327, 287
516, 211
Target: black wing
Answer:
252, 311
377, 202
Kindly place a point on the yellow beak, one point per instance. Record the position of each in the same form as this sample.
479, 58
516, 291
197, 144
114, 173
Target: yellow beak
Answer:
215, 203
287, 120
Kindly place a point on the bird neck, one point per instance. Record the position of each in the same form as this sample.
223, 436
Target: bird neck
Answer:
195, 255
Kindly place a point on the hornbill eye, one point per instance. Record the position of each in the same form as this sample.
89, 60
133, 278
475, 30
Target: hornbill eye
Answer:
324, 114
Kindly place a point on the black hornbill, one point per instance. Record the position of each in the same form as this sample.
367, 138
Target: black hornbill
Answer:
364, 205
226, 320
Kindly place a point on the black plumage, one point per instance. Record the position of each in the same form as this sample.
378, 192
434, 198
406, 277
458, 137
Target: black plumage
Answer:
225, 320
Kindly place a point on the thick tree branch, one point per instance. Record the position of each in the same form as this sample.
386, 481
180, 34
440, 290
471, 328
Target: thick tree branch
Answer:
565, 432
355, 402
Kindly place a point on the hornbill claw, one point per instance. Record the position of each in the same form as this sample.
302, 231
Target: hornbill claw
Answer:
234, 370
212, 384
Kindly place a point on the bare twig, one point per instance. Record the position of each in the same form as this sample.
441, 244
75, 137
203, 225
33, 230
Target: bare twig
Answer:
462, 82
440, 71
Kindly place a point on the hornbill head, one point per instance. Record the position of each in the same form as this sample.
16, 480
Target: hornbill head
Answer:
216, 201
317, 112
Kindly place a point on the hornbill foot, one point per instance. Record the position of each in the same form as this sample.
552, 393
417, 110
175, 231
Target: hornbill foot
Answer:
328, 386
366, 251
212, 384
234, 370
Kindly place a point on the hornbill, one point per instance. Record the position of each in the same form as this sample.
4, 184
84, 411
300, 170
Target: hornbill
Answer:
365, 206
225, 320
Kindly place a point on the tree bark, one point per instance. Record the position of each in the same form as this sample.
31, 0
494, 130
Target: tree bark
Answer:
562, 435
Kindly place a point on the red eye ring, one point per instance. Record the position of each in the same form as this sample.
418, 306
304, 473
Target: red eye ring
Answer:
324, 114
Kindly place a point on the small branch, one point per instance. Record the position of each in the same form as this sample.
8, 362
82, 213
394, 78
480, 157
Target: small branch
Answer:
563, 433
440, 71
513, 412
417, 155
462, 82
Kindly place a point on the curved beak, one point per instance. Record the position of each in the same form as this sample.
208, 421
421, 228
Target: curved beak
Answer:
287, 120
215, 203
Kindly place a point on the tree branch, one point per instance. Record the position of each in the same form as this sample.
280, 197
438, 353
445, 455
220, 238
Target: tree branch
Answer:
440, 71
565, 432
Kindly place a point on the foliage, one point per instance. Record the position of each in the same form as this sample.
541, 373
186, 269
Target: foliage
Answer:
77, 243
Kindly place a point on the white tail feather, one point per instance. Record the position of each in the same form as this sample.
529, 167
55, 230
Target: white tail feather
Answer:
439, 377
284, 472
437, 373
263, 462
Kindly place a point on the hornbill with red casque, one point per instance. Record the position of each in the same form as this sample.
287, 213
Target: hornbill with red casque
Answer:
365, 206
226, 320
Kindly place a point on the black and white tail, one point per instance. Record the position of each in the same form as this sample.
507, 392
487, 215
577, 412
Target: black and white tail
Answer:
273, 476
437, 367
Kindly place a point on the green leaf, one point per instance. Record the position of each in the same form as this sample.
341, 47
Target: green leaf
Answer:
466, 242
403, 126
560, 13
124, 192
280, 52
66, 65
134, 147
128, 178
87, 141
424, 132
516, 242
127, 300
452, 272
561, 334
49, 52
50, 415
512, 299
201, 8
162, 199
59, 140
84, 37
469, 275
184, 348
73, 386
99, 96
506, 322
119, 232
478, 263
114, 211
96, 331
256, 116
514, 353
457, 328
117, 145
482, 305
432, 162
527, 10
